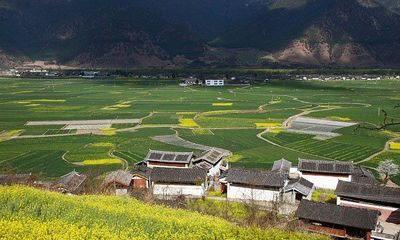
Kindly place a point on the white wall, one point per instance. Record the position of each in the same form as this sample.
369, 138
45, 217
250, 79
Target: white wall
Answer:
215, 82
178, 190
246, 193
323, 181
214, 171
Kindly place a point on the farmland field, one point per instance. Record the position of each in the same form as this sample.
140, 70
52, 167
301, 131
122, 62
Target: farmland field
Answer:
233, 118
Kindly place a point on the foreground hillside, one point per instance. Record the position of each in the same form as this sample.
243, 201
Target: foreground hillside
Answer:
28, 213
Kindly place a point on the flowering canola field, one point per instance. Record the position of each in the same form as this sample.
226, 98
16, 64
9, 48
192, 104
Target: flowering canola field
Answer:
27, 213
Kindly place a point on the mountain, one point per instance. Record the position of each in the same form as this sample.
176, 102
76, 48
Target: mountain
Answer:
143, 33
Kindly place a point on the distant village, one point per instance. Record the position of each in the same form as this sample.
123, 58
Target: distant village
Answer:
363, 209
191, 79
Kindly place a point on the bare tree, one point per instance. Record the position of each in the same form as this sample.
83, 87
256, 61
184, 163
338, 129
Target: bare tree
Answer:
386, 122
388, 168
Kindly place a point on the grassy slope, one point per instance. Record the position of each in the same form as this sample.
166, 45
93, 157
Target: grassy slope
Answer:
27, 213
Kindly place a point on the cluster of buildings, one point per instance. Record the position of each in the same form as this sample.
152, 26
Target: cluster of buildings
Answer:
346, 77
363, 209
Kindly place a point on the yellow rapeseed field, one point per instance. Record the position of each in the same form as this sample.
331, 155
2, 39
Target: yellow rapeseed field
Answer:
394, 146
221, 104
108, 131
188, 122
104, 161
268, 125
27, 213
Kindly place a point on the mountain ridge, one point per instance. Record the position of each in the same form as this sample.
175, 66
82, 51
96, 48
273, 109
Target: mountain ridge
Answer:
148, 33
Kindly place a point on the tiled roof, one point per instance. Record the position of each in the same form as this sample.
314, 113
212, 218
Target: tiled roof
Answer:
204, 165
368, 192
300, 185
338, 215
212, 156
321, 166
142, 170
165, 156
256, 178
282, 166
362, 175
178, 175
71, 181
120, 176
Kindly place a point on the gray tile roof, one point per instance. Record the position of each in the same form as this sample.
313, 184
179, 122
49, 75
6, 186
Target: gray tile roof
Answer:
282, 166
120, 176
72, 181
300, 185
178, 175
321, 166
165, 156
368, 192
338, 215
212, 156
258, 178
204, 165
142, 170
362, 175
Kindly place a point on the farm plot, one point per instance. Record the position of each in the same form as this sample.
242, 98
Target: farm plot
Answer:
325, 148
99, 127
248, 150
322, 128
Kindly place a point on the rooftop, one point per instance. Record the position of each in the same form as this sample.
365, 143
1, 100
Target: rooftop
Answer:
282, 166
178, 175
368, 192
300, 185
71, 181
256, 178
321, 166
120, 176
338, 215
165, 156
212, 156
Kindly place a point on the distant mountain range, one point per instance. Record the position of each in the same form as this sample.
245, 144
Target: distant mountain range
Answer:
162, 33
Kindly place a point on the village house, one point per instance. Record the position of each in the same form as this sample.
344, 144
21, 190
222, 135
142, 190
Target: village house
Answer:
175, 182
325, 174
190, 81
167, 159
214, 82
282, 166
71, 183
384, 199
118, 182
257, 185
298, 189
141, 177
211, 161
337, 221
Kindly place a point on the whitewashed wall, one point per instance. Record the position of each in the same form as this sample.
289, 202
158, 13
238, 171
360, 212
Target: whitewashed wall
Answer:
214, 171
178, 190
246, 193
326, 182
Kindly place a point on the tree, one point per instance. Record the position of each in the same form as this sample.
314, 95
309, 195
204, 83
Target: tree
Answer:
388, 168
385, 124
